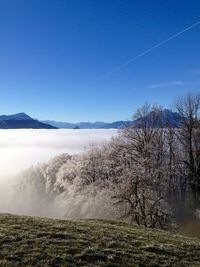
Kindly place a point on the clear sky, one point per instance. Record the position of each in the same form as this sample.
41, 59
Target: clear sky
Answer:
57, 56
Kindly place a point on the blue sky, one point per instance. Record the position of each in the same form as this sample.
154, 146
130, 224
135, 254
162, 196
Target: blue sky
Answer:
57, 56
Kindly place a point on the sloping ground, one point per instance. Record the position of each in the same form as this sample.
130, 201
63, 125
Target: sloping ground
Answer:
27, 241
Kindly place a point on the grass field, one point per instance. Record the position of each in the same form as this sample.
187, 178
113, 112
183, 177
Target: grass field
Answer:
28, 241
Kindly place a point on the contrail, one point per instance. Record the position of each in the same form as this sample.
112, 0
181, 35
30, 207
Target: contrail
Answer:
153, 48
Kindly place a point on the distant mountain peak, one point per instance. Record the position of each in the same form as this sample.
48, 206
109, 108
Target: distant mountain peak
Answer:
159, 118
18, 116
22, 121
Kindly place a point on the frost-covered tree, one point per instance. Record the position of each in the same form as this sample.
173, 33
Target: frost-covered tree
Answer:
143, 179
36, 187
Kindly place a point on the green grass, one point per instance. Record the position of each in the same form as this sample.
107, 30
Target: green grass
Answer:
28, 241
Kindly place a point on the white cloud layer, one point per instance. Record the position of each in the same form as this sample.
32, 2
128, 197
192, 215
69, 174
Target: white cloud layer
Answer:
20, 149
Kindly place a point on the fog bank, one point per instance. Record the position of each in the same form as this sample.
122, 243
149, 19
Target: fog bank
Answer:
20, 149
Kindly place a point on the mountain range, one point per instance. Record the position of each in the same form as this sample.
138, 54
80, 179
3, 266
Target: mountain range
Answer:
23, 121
86, 125
164, 117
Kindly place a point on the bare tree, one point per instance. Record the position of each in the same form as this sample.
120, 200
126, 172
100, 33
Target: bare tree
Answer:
142, 183
189, 137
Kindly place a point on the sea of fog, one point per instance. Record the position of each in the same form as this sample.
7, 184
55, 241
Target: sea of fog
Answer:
20, 149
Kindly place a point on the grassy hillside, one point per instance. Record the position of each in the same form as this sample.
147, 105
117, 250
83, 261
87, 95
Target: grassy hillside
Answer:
27, 241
